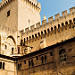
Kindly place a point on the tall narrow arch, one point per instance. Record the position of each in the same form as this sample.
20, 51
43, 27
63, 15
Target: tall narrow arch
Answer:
12, 39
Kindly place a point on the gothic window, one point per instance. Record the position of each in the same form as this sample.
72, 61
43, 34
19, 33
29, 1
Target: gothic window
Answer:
18, 50
29, 63
24, 41
12, 50
51, 53
42, 59
32, 36
62, 54
5, 46
55, 29
70, 21
62, 26
45, 31
39, 34
36, 57
36, 35
58, 27
8, 13
21, 42
0, 65
45, 58
66, 24
3, 65
24, 61
32, 63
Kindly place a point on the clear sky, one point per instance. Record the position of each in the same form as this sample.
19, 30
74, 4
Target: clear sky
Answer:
52, 7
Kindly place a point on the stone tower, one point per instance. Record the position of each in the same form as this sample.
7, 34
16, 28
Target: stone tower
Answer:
28, 13
15, 16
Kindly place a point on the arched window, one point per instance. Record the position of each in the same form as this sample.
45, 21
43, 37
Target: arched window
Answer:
21, 42
55, 29
58, 27
45, 58
62, 54
24, 41
48, 31
36, 35
66, 23
42, 59
74, 20
32, 63
62, 26
18, 50
45, 31
39, 34
70, 22
12, 50
5, 46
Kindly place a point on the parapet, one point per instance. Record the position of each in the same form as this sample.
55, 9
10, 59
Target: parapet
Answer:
32, 27
64, 13
52, 22
27, 29
57, 16
50, 19
5, 3
38, 25
72, 9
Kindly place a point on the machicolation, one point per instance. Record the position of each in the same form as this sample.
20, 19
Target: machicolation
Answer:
66, 21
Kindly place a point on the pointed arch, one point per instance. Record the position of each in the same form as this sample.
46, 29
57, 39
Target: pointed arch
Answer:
12, 39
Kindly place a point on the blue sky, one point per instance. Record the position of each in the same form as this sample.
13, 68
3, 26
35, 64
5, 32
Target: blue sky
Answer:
52, 7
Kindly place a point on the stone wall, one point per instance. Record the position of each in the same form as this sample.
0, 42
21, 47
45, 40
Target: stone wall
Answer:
51, 64
8, 24
8, 66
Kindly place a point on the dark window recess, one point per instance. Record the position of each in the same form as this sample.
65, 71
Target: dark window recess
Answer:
18, 67
29, 63
12, 50
21, 42
24, 41
45, 58
32, 63
3, 65
36, 57
8, 13
62, 54
18, 50
5, 46
24, 61
0, 65
51, 53
42, 59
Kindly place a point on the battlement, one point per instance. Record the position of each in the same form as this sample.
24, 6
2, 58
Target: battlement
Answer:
5, 3
52, 24
34, 3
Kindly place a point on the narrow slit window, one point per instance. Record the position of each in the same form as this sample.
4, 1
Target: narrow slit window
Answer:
8, 13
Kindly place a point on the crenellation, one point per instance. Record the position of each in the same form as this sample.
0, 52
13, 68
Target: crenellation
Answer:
44, 22
57, 16
50, 19
64, 13
38, 25
72, 10
27, 29
32, 27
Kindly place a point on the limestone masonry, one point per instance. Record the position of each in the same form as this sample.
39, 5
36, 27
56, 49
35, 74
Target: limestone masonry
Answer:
28, 47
